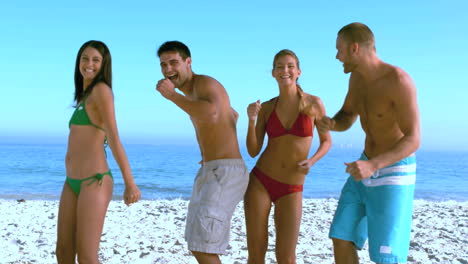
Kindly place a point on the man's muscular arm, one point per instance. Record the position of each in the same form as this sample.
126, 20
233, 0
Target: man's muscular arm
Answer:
204, 107
347, 115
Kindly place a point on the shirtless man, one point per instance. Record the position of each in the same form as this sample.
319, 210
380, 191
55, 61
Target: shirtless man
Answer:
223, 178
377, 199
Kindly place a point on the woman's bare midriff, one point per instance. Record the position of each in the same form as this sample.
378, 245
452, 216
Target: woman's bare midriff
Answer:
85, 153
281, 157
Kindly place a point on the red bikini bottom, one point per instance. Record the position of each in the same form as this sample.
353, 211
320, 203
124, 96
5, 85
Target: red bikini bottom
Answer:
275, 188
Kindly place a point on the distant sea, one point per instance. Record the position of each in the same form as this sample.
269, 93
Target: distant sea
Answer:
37, 172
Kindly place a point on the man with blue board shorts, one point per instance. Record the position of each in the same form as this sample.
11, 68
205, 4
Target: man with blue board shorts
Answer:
377, 200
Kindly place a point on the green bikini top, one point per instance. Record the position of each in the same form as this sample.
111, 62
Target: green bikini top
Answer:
80, 117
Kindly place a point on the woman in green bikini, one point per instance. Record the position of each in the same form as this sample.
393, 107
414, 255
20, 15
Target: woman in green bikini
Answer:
88, 187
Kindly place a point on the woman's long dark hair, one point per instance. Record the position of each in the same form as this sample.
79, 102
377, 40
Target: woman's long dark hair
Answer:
104, 75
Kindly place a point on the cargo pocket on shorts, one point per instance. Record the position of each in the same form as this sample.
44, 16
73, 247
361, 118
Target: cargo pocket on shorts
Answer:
212, 223
221, 175
210, 189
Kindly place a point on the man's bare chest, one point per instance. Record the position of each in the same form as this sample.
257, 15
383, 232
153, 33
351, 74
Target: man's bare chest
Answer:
374, 103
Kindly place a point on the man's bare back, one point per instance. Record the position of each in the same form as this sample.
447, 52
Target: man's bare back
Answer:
217, 136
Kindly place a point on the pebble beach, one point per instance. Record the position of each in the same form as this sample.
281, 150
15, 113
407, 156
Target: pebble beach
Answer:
152, 231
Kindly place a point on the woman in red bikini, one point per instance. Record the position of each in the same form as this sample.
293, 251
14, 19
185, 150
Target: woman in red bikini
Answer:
279, 174
88, 187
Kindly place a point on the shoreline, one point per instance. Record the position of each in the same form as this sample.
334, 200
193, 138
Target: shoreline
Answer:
152, 231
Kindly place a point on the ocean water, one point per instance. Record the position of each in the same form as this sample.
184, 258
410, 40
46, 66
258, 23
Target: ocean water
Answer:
37, 171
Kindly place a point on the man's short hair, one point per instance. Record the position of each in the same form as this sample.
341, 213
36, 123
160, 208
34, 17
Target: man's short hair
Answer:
176, 46
358, 33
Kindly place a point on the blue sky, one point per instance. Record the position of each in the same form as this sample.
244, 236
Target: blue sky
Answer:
233, 41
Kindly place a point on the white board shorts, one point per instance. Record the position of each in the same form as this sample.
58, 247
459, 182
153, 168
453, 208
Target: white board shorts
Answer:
219, 186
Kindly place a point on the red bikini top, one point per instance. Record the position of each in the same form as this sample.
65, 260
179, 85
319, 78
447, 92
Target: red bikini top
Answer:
302, 127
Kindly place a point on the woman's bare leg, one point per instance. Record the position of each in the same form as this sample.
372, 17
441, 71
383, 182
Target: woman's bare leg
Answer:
66, 227
91, 212
257, 206
288, 213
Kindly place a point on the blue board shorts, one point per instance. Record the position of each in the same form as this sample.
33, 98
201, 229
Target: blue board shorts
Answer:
219, 186
379, 208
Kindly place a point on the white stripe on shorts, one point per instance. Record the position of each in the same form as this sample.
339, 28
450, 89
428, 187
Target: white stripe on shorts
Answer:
410, 169
392, 180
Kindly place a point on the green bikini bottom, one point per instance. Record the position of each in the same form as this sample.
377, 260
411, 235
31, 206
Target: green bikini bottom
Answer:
75, 184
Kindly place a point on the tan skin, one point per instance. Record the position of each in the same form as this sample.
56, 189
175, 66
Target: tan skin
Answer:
384, 98
285, 160
81, 218
206, 102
